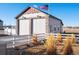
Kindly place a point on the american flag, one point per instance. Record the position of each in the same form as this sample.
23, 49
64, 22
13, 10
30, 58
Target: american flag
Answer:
45, 7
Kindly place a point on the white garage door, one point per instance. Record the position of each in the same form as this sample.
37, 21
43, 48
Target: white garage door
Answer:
24, 27
39, 26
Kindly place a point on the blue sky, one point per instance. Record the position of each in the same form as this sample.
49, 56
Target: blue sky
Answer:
68, 13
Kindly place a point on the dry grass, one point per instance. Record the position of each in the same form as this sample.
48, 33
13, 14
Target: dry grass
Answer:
59, 37
36, 50
75, 49
73, 39
67, 50
50, 45
34, 40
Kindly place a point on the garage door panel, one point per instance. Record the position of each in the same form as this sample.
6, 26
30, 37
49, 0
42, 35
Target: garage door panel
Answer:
24, 27
39, 26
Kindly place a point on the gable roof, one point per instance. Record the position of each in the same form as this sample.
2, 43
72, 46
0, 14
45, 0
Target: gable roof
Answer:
39, 10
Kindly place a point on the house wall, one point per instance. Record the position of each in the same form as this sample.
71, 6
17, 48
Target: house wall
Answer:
32, 15
1, 25
1, 28
17, 26
39, 24
55, 25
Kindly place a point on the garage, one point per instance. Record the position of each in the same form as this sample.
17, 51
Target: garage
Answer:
35, 21
24, 27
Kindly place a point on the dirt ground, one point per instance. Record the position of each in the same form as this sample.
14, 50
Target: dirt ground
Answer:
76, 49
37, 50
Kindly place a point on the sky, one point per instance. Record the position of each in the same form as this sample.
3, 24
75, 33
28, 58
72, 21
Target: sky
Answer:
67, 12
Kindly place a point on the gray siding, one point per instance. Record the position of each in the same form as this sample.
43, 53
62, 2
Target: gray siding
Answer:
55, 25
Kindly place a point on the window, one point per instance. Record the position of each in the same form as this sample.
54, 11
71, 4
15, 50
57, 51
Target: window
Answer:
50, 28
58, 28
54, 28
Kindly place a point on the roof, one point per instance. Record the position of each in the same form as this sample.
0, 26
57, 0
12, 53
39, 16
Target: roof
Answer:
39, 10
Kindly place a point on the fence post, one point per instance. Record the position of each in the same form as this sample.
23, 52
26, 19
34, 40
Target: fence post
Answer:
13, 42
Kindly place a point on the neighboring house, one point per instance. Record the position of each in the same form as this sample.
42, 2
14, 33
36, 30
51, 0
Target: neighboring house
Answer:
1, 24
1, 28
36, 21
9, 30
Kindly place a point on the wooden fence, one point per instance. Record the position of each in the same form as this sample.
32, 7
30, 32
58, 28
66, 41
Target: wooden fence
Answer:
12, 41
